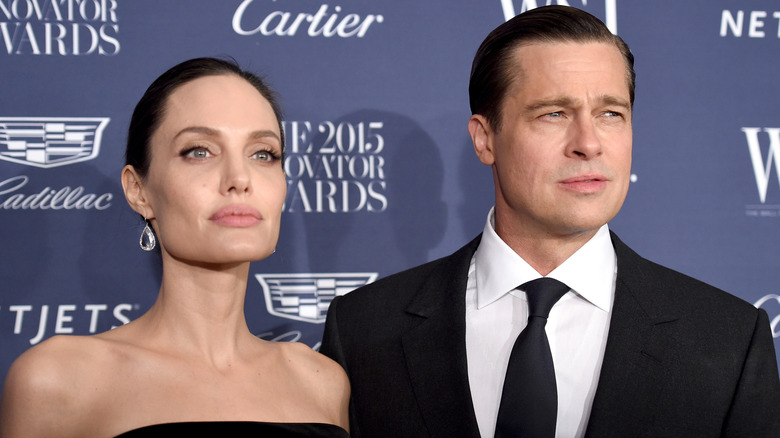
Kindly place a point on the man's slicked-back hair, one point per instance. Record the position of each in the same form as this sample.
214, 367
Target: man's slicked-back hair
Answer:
491, 71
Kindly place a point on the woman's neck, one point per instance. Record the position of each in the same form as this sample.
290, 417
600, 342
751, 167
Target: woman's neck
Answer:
199, 311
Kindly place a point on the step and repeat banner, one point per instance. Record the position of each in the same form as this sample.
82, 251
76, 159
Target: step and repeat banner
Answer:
381, 172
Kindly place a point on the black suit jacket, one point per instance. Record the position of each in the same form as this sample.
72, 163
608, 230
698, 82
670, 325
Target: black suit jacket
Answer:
683, 359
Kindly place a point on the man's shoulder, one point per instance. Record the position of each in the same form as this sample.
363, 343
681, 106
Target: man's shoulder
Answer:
672, 287
401, 286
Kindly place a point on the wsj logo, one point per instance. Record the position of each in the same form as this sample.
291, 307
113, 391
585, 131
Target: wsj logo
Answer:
610, 8
323, 22
306, 297
762, 166
50, 141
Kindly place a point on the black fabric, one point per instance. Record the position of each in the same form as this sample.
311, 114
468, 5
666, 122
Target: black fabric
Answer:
239, 429
683, 359
529, 400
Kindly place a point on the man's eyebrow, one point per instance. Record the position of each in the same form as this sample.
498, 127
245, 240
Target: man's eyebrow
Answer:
558, 101
606, 99
616, 101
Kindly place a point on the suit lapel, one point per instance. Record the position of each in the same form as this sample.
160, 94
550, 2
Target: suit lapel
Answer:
442, 393
632, 378
639, 346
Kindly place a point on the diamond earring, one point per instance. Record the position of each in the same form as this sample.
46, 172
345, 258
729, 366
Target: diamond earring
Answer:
147, 241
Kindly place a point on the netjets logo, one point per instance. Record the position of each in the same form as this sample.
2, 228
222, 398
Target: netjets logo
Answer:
610, 9
306, 297
762, 166
50, 141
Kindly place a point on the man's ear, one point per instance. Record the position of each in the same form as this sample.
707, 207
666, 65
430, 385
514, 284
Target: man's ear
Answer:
135, 194
482, 138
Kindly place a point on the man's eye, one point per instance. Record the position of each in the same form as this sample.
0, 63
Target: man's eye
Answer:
620, 113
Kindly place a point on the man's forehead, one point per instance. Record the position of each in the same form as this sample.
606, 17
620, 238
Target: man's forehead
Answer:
550, 50
531, 57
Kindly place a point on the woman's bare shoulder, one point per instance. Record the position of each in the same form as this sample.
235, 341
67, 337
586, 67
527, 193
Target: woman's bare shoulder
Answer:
51, 383
56, 362
323, 376
305, 360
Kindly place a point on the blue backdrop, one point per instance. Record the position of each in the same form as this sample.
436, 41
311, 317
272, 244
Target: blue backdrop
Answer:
382, 175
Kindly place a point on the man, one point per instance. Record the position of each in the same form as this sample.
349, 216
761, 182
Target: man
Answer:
637, 349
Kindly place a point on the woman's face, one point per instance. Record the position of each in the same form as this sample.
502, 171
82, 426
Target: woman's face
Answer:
215, 186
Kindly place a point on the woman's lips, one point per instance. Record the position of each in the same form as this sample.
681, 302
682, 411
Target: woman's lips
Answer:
236, 216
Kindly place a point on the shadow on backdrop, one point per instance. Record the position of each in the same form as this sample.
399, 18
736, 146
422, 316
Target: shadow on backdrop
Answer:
384, 203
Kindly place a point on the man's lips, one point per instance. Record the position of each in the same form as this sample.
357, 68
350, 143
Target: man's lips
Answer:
591, 183
236, 216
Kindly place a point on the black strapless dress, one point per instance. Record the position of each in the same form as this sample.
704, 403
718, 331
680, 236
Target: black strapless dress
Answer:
240, 429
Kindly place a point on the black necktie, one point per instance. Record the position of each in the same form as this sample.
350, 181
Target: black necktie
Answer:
529, 400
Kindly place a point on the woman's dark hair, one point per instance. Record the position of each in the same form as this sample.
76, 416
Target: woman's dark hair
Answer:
492, 69
150, 109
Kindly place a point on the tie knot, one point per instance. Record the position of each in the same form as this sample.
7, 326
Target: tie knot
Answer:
542, 294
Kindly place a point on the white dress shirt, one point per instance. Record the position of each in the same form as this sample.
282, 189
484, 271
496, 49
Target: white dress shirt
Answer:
496, 312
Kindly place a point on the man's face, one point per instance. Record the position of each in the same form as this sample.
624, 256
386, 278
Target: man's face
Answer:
562, 159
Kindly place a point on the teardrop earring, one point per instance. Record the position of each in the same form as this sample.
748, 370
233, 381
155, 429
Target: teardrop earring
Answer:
147, 241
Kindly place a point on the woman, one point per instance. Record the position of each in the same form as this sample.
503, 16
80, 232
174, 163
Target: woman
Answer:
204, 169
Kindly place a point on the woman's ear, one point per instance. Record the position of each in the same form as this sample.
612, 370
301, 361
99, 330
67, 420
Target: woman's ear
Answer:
135, 193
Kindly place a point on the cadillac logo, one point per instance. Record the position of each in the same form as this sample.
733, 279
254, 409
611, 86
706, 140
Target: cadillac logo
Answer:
50, 141
306, 297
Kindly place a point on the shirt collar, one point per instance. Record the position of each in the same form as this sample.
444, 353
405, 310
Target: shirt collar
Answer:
590, 272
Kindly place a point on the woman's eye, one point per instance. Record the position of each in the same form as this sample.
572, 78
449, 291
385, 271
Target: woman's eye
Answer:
196, 152
264, 156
